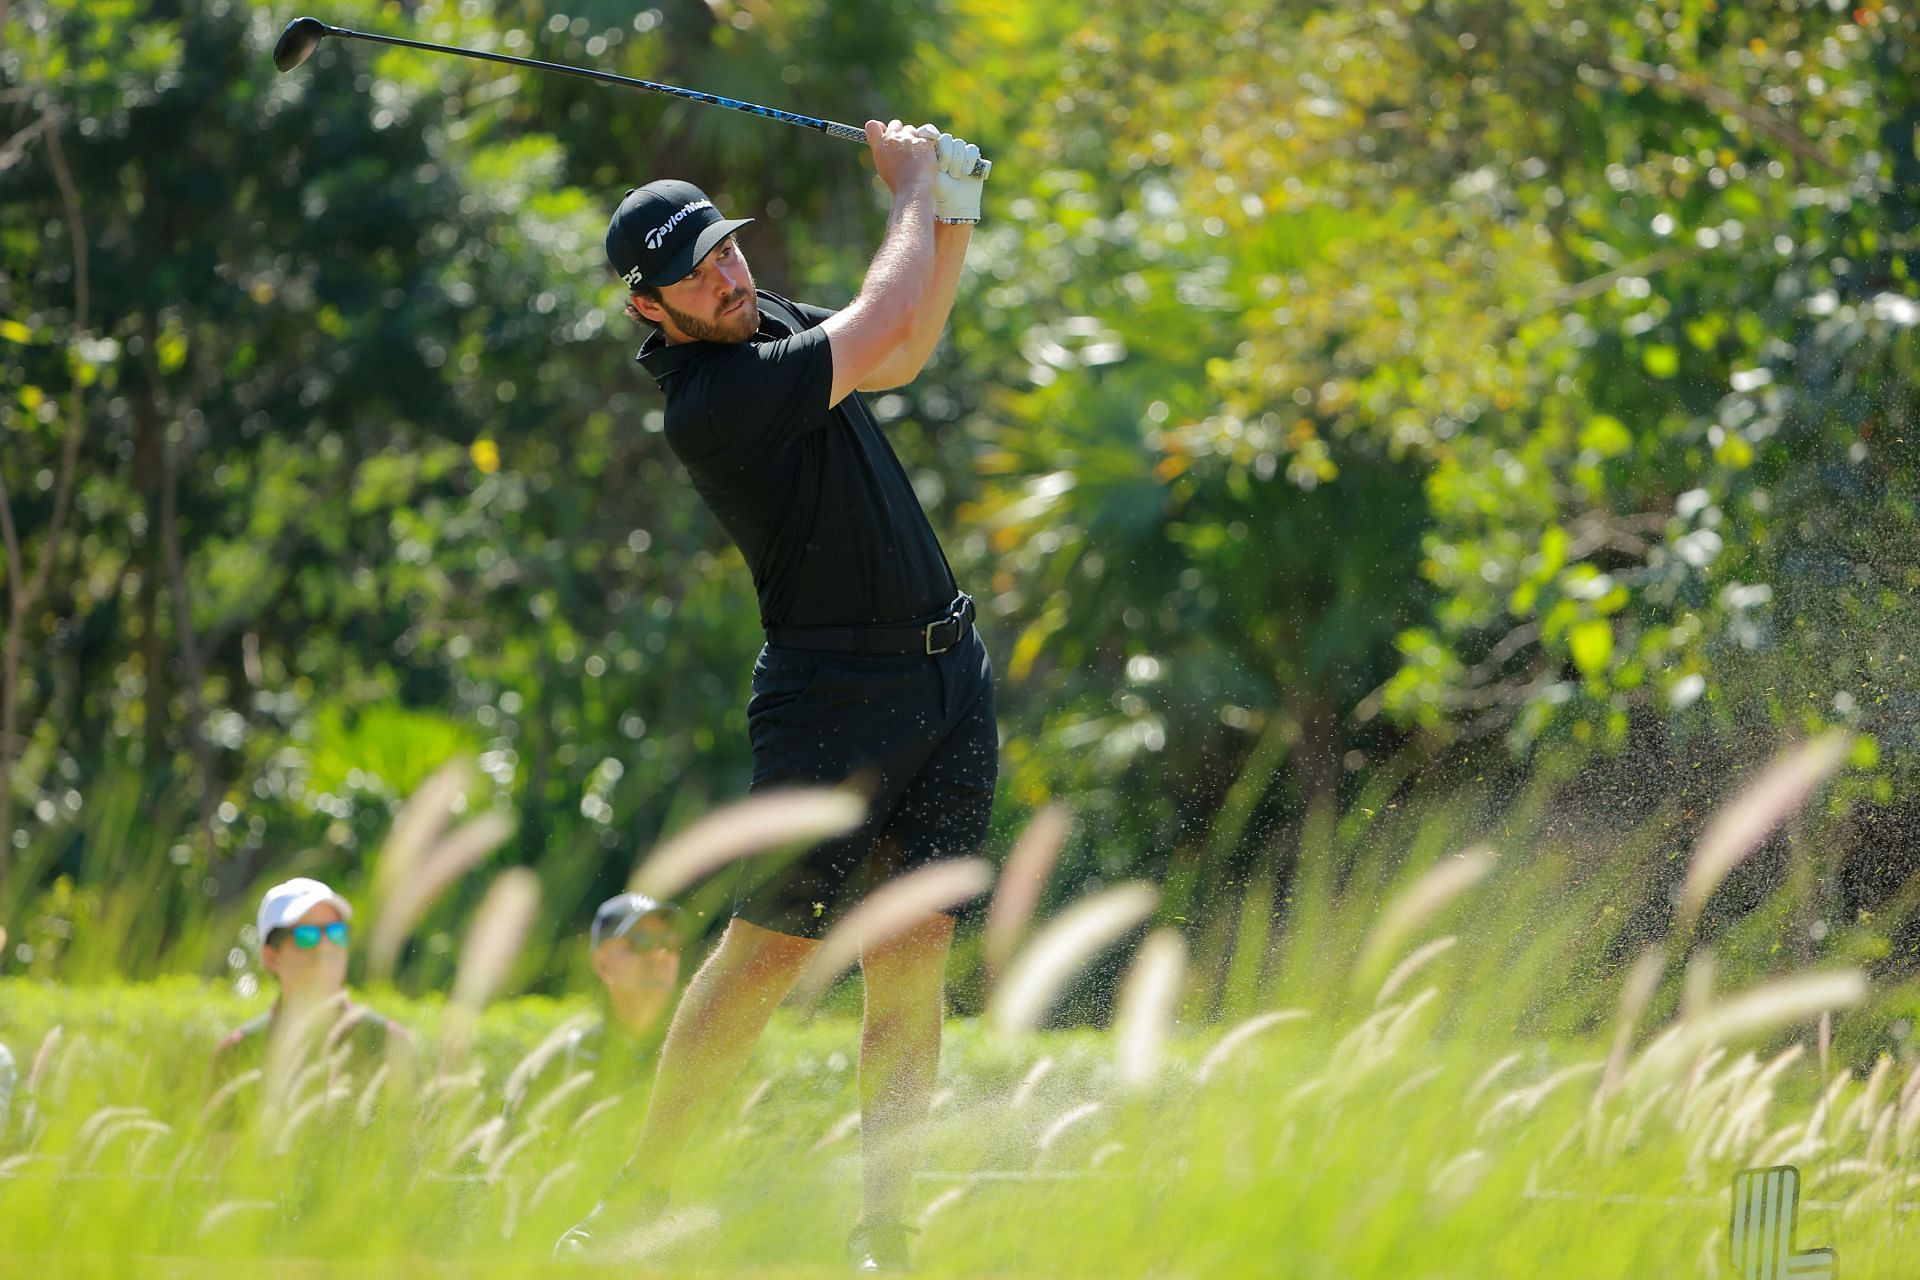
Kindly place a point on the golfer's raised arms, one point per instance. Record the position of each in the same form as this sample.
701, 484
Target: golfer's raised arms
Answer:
868, 331
956, 207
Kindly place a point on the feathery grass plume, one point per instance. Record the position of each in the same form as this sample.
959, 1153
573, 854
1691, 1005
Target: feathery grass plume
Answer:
1814, 1135
446, 1084
1061, 1125
514, 1091
1412, 1084
889, 911
1693, 1102
1022, 880
290, 1058
493, 943
558, 1096
1697, 983
1456, 1179
1761, 1008
420, 822
559, 1174
1882, 1137
297, 1118
762, 823
1060, 948
479, 1141
1526, 1100
1419, 959
43, 1056
229, 1210
940, 1204
369, 1102
1781, 1061
117, 1129
1397, 1030
1376, 1040
1905, 1128
103, 1118
1145, 1012
424, 880
755, 1096
1867, 1106
1030, 1084
1419, 903
226, 1093
842, 1129
1491, 1076
1743, 1125
1741, 825
494, 940
1826, 1041
1222, 1053
1635, 994
584, 1121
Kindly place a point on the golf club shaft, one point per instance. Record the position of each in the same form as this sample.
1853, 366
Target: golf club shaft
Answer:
832, 128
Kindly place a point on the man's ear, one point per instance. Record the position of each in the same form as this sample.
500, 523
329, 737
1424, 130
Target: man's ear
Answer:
603, 959
648, 308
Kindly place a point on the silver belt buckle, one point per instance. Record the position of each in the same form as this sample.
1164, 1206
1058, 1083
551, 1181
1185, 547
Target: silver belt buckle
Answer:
957, 617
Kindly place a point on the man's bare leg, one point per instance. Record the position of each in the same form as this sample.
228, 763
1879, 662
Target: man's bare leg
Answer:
722, 1014
905, 979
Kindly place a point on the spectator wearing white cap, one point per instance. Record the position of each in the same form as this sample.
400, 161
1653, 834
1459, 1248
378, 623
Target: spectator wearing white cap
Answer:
7, 1078
304, 928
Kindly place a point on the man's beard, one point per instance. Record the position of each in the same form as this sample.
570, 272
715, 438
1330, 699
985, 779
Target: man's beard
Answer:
729, 326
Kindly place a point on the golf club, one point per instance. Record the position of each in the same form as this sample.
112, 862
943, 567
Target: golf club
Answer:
303, 35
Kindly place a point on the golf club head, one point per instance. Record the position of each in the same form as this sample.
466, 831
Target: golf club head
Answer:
297, 43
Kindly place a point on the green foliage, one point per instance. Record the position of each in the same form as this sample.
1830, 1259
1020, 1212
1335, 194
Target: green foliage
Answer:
1336, 393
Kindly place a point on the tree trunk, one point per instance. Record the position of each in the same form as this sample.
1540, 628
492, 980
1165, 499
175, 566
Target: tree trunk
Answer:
9, 682
192, 681
153, 653
23, 593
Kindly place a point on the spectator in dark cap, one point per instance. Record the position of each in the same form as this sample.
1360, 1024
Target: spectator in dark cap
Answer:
635, 944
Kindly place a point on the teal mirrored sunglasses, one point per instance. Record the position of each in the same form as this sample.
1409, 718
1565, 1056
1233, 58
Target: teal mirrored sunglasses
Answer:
307, 936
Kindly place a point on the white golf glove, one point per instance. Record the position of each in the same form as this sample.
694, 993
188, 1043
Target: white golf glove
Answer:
956, 191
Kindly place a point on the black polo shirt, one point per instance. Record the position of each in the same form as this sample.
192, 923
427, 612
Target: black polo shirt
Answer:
812, 495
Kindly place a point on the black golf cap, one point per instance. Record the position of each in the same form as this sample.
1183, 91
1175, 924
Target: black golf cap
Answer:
662, 230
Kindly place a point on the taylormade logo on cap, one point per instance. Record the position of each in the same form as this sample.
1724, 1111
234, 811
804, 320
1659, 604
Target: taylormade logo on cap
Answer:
661, 231
658, 236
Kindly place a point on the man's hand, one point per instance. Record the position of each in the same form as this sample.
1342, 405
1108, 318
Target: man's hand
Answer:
956, 191
904, 157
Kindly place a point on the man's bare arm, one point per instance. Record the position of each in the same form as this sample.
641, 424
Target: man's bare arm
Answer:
868, 331
950, 242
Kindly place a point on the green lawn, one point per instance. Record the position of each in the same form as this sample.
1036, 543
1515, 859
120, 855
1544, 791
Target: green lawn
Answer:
1407, 1141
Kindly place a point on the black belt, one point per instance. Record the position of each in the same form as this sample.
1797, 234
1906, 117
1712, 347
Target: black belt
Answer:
937, 636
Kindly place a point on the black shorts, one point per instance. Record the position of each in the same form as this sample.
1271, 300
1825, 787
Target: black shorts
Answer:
915, 733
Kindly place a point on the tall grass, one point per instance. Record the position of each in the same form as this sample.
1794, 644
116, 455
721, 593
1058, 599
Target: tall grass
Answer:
1453, 1065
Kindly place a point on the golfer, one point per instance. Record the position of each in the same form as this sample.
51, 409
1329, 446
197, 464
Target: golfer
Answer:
872, 668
